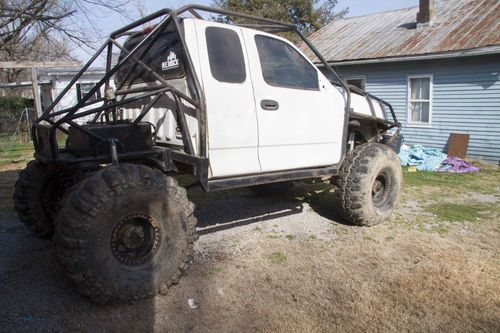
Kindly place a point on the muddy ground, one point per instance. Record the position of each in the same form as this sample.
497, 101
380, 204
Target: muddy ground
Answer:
284, 264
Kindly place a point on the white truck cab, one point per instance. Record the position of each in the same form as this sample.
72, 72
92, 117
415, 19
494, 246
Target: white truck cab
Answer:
266, 101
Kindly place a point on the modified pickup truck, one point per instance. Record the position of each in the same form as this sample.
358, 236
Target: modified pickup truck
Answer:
234, 105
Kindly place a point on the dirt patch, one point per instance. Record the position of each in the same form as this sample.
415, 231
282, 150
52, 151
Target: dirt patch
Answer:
284, 264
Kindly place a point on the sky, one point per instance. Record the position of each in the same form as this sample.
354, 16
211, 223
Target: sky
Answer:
108, 22
363, 7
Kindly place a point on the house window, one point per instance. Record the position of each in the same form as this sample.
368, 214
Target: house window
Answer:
83, 88
283, 66
225, 55
358, 82
419, 100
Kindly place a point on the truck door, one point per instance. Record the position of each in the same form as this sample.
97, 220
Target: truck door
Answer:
231, 114
300, 113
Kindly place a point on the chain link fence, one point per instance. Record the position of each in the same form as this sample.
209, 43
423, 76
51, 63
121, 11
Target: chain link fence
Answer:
15, 135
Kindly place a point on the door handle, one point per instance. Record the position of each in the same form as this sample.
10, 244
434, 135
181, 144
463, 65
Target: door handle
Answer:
270, 105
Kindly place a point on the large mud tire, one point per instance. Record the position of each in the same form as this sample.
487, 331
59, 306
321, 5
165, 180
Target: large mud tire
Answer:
369, 184
125, 233
34, 198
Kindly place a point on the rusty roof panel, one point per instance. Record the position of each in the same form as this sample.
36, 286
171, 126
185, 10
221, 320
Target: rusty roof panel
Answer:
457, 25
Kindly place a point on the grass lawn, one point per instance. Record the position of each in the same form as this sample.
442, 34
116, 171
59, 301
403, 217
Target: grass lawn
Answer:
16, 153
12, 153
485, 181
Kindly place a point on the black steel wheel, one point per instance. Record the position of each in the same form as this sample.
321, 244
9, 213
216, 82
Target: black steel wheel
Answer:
135, 239
380, 188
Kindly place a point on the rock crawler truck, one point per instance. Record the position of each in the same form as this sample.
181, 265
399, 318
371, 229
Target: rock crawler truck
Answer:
232, 104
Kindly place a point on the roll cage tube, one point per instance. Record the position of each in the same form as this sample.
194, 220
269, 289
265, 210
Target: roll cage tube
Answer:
168, 18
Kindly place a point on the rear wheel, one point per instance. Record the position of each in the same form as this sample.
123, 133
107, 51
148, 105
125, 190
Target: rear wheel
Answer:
369, 184
37, 196
125, 233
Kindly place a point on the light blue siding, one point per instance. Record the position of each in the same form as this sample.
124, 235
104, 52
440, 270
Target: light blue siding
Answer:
466, 99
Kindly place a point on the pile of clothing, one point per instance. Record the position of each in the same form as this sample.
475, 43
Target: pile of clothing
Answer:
457, 165
431, 159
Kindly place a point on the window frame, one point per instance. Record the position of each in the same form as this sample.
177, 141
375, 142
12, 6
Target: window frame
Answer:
409, 122
357, 77
299, 53
80, 94
241, 43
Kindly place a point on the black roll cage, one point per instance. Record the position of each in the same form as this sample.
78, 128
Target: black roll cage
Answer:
166, 155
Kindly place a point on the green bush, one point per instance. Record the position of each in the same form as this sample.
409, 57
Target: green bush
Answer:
15, 103
11, 108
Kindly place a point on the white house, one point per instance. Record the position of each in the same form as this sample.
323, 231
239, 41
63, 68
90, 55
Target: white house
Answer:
54, 80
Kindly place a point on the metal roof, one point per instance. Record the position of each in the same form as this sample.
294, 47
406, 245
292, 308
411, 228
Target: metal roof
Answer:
458, 26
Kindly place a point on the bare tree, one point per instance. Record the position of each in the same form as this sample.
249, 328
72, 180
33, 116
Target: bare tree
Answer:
142, 10
140, 6
49, 29
46, 29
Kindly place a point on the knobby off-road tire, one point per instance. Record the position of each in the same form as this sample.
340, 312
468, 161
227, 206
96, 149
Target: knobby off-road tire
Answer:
125, 233
271, 189
36, 196
369, 184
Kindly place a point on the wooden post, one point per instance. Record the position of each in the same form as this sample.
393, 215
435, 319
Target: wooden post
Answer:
36, 92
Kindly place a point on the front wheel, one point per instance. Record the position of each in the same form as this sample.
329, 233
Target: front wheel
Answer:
125, 233
369, 184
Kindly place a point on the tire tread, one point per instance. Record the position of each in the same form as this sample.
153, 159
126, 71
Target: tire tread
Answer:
80, 209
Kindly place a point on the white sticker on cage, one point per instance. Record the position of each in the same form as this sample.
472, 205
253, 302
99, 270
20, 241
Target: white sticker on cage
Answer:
172, 62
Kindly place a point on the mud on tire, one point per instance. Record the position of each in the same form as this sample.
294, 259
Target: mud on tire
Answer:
369, 184
125, 233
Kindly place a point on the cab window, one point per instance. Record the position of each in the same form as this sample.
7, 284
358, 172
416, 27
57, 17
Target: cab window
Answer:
283, 66
225, 55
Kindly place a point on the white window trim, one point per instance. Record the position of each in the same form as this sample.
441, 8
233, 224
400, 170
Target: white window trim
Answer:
409, 123
357, 77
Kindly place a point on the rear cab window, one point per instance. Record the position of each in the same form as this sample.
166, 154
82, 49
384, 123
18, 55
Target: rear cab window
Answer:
283, 66
225, 55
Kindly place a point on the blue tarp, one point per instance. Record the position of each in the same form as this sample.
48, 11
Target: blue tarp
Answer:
426, 159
